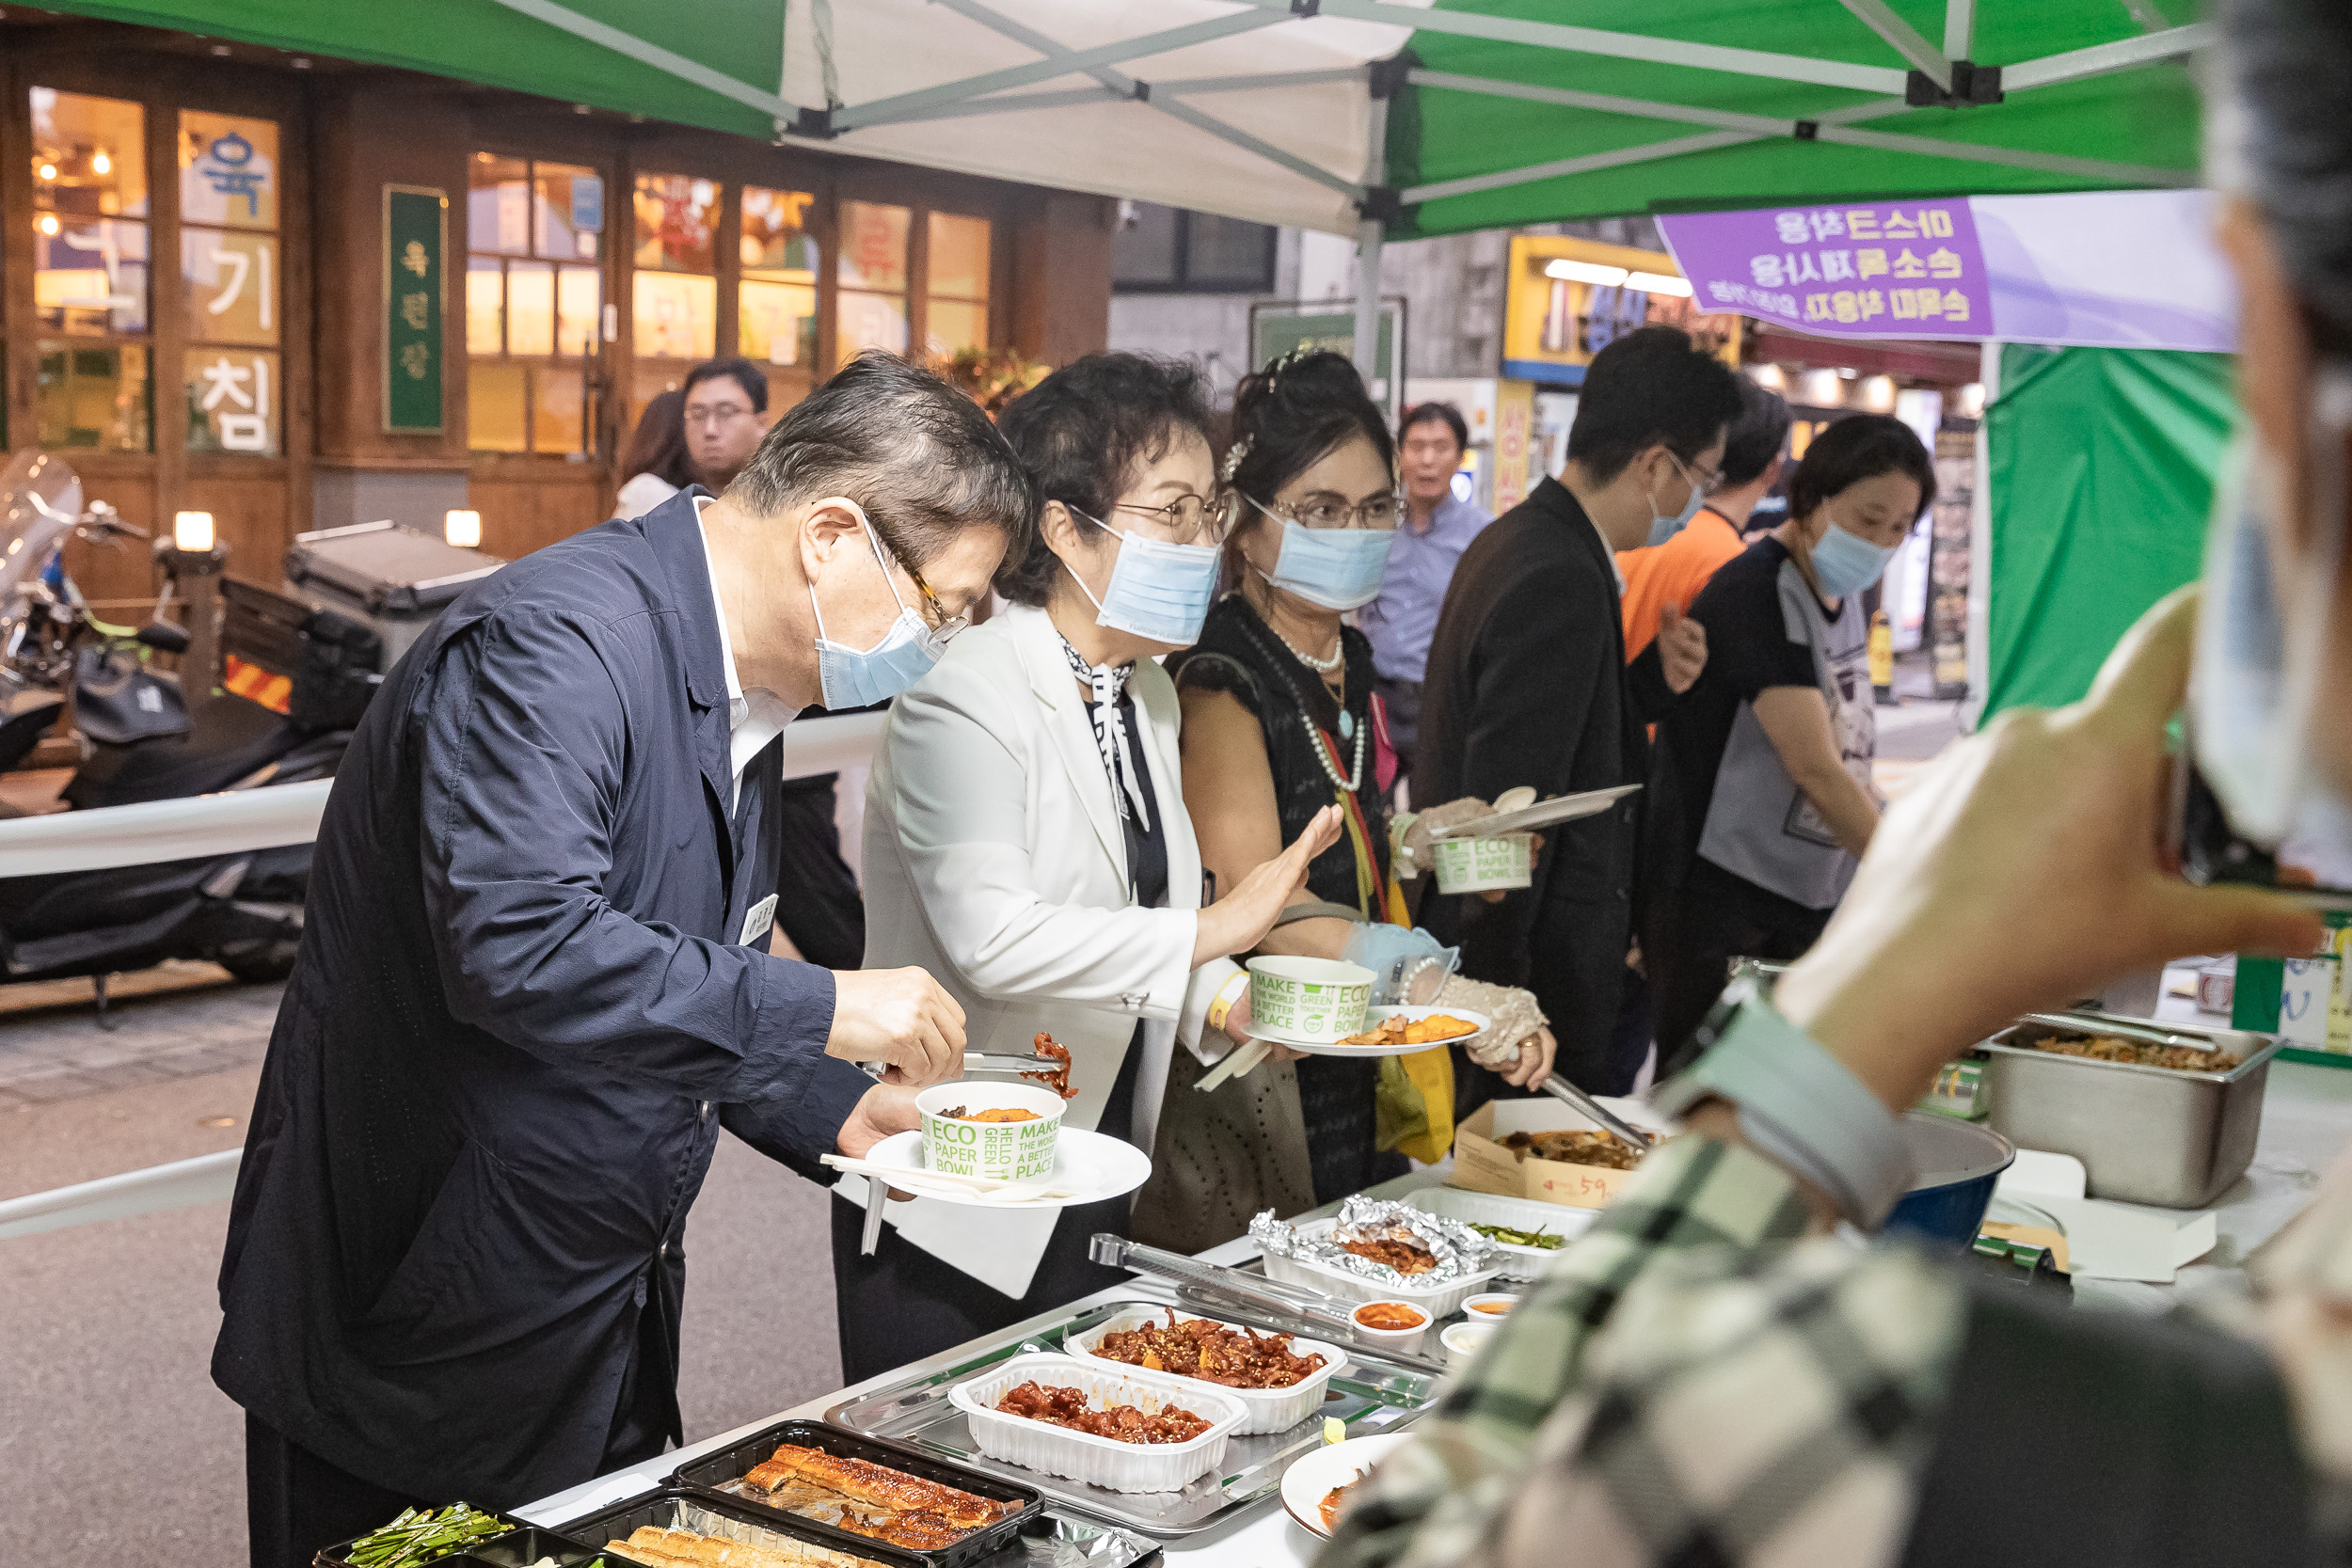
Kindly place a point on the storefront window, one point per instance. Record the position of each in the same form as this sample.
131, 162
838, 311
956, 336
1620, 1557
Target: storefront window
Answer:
955, 312
872, 294
776, 298
90, 257
534, 303
229, 251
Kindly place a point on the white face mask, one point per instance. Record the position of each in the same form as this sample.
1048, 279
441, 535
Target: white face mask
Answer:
2254, 696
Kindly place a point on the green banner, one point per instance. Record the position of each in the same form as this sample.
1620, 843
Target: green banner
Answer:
416, 246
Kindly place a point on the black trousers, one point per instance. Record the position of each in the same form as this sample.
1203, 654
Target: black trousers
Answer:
296, 1502
820, 909
903, 1303
1695, 931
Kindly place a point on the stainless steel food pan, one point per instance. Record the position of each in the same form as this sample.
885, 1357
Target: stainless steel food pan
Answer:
2146, 1134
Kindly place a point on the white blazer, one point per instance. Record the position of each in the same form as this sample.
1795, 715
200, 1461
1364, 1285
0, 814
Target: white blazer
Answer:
994, 858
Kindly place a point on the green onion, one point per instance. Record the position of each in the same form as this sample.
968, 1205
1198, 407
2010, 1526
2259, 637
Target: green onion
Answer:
1543, 1239
419, 1537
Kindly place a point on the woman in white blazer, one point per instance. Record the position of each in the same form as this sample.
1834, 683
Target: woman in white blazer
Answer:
1026, 843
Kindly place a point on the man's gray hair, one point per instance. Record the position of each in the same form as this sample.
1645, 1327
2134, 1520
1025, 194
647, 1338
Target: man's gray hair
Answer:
918, 456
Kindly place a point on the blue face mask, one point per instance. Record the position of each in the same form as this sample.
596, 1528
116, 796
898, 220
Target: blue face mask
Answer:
1339, 568
1157, 590
851, 678
1847, 563
1662, 528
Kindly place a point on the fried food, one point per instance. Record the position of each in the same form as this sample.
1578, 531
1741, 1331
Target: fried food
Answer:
1404, 1256
1195, 1347
1398, 1030
1067, 1407
2110, 1048
658, 1547
993, 1113
1055, 1079
859, 1495
1597, 1147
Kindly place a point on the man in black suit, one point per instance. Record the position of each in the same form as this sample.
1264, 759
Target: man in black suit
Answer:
1527, 684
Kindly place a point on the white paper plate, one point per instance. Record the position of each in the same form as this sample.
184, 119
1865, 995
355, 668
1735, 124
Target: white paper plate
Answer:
1543, 814
1310, 1478
1095, 1166
1373, 1018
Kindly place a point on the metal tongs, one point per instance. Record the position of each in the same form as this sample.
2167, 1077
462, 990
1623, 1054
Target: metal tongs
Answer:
2146, 1031
1561, 1089
1250, 1291
989, 1061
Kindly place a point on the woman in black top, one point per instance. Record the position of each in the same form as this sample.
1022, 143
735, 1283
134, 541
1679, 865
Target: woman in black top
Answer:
1278, 723
1760, 799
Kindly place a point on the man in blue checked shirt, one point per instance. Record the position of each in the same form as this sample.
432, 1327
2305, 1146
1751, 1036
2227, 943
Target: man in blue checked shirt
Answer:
1437, 526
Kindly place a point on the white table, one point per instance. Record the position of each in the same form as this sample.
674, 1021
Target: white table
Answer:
2307, 1120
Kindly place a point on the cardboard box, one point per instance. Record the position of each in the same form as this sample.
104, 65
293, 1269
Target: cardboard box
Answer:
1482, 1164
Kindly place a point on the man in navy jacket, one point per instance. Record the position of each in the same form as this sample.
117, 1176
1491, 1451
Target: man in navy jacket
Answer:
533, 983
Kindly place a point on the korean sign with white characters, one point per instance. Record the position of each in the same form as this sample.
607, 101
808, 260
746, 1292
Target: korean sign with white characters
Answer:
1864, 269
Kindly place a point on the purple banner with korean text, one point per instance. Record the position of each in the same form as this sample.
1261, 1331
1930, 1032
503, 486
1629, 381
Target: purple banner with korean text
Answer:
1877, 269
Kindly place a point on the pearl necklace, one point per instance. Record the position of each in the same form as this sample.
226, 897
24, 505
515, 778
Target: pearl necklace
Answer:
1320, 666
1330, 767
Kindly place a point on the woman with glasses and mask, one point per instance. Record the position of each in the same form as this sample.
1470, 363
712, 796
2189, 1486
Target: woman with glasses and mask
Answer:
1026, 843
1279, 725
1761, 802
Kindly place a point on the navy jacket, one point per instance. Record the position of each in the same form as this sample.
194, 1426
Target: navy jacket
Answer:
489, 1098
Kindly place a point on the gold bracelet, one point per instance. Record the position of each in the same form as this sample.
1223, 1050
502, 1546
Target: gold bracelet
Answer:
1221, 1007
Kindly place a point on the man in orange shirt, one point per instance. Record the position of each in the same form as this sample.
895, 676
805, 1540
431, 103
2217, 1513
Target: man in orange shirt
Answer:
1662, 580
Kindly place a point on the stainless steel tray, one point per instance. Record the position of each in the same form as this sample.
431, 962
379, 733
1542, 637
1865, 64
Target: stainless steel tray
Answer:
1374, 1393
2145, 1134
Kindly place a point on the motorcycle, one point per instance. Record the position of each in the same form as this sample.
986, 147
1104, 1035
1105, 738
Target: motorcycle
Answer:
144, 741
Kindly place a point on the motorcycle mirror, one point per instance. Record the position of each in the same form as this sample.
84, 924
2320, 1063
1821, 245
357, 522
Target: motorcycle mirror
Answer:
40, 503
164, 637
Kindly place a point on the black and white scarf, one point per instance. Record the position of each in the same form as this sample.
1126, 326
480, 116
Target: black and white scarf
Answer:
1108, 682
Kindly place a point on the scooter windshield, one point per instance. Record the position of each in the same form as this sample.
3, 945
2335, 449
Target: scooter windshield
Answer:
40, 501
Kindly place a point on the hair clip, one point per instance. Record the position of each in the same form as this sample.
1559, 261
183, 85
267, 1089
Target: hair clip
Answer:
1233, 456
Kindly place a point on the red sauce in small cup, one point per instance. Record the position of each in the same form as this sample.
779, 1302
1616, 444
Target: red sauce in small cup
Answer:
1389, 1314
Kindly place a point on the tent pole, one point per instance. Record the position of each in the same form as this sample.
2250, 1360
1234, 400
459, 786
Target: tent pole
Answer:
1980, 632
1370, 232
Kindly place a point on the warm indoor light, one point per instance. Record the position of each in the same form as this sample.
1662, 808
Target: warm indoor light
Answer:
1585, 272
1970, 401
1771, 377
48, 171
192, 531
1658, 283
1824, 388
462, 528
101, 164
49, 224
1878, 395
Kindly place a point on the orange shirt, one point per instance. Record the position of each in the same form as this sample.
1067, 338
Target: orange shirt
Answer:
1674, 570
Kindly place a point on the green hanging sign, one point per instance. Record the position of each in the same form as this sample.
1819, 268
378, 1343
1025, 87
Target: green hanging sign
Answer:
416, 249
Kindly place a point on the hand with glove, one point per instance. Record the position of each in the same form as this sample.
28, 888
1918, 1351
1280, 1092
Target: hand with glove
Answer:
1517, 1045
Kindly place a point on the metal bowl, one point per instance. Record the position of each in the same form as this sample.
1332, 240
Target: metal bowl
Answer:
1959, 1162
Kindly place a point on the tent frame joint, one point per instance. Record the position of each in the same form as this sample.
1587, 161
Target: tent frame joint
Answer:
1972, 87
1306, 8
1381, 204
1389, 77
815, 124
1807, 130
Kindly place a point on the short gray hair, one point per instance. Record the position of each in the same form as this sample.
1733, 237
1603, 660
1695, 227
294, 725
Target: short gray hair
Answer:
918, 456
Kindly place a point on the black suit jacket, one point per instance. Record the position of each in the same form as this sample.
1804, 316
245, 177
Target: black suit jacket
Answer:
1527, 685
519, 1015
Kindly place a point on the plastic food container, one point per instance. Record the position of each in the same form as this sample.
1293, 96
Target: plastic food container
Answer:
713, 1471
1270, 1409
998, 1151
1436, 1300
1513, 1213
1104, 1462
1484, 864
518, 1548
1314, 1000
1463, 1342
1489, 1307
672, 1508
1406, 1340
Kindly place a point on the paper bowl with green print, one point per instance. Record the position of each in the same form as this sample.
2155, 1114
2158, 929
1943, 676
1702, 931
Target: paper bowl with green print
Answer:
1295, 1000
963, 1136
1484, 864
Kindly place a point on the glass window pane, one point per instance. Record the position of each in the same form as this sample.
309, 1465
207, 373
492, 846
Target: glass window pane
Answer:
89, 276
650, 379
95, 395
950, 325
677, 223
1143, 248
873, 247
485, 306
530, 307
559, 410
231, 284
578, 304
777, 323
494, 406
234, 400
676, 316
1228, 251
228, 172
775, 238
870, 321
959, 257
497, 205
89, 155
567, 204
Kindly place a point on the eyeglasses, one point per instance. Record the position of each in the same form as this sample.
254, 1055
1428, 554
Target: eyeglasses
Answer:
1188, 519
1708, 480
937, 624
715, 413
1320, 512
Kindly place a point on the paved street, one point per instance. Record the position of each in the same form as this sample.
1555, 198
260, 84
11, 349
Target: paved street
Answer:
114, 1445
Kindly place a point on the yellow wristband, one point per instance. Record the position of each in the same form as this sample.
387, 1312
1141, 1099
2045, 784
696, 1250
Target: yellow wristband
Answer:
1227, 994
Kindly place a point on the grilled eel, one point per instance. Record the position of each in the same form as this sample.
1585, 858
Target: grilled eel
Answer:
877, 1484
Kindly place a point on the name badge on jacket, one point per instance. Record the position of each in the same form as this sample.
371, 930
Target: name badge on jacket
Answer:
757, 921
